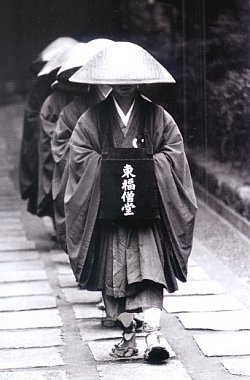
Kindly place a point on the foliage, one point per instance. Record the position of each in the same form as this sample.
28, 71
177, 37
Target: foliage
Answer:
229, 122
205, 45
228, 43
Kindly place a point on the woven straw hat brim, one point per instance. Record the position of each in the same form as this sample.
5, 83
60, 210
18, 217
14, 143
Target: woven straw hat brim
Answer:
122, 63
56, 62
55, 47
74, 88
64, 76
83, 52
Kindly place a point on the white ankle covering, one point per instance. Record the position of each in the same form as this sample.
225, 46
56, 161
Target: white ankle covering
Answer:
152, 317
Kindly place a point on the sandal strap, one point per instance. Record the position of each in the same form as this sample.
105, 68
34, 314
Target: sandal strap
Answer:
125, 337
129, 329
147, 328
124, 352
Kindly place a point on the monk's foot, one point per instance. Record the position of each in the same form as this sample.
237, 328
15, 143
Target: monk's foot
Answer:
126, 348
155, 352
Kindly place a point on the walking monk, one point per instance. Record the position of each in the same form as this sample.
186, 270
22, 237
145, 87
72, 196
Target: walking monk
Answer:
131, 247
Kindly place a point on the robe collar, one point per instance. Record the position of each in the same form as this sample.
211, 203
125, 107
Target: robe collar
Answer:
124, 117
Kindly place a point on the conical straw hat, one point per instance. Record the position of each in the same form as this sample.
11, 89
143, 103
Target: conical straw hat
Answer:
80, 54
57, 60
54, 47
50, 51
74, 88
122, 63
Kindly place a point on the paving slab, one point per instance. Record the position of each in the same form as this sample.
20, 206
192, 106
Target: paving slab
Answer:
9, 207
27, 303
18, 256
87, 311
30, 358
63, 269
59, 257
101, 349
8, 187
31, 338
21, 265
12, 233
196, 273
93, 330
29, 319
33, 375
192, 262
173, 370
23, 275
10, 221
17, 246
9, 197
224, 343
77, 295
199, 288
218, 302
219, 320
10, 214
9, 200
67, 281
13, 239
239, 367
11, 218
24, 288
15, 225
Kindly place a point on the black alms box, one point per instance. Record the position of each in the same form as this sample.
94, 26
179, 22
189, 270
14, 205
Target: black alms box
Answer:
128, 185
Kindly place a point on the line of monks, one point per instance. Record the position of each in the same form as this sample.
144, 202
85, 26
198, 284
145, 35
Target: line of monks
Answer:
86, 108
52, 110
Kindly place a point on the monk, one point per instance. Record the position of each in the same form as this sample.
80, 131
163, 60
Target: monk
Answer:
28, 166
60, 150
131, 264
49, 115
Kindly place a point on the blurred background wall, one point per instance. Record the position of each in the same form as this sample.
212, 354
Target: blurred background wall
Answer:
203, 43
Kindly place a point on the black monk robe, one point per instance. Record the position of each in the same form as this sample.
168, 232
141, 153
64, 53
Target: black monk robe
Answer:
49, 114
28, 166
115, 258
60, 150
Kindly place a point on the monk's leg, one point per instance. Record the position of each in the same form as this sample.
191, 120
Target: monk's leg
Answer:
115, 307
156, 350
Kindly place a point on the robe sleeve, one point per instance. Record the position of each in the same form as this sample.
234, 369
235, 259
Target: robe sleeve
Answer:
60, 150
177, 199
63, 131
82, 195
60, 144
28, 167
49, 115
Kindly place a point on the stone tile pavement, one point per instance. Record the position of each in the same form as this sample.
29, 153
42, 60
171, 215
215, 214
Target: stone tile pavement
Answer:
50, 329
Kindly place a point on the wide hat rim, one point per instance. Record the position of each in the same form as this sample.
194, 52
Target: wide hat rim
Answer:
122, 63
54, 47
58, 59
82, 53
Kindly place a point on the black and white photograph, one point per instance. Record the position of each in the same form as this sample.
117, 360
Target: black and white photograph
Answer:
125, 190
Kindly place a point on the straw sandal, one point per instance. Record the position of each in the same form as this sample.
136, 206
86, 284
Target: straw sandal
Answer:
126, 348
155, 351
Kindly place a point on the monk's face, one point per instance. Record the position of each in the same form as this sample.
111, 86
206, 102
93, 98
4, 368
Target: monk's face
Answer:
125, 91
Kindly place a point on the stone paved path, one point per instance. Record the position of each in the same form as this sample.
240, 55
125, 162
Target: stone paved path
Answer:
50, 329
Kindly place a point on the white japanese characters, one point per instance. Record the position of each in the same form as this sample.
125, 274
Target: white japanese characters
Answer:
128, 187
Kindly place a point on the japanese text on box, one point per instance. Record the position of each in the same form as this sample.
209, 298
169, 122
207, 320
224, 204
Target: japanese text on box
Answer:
128, 187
